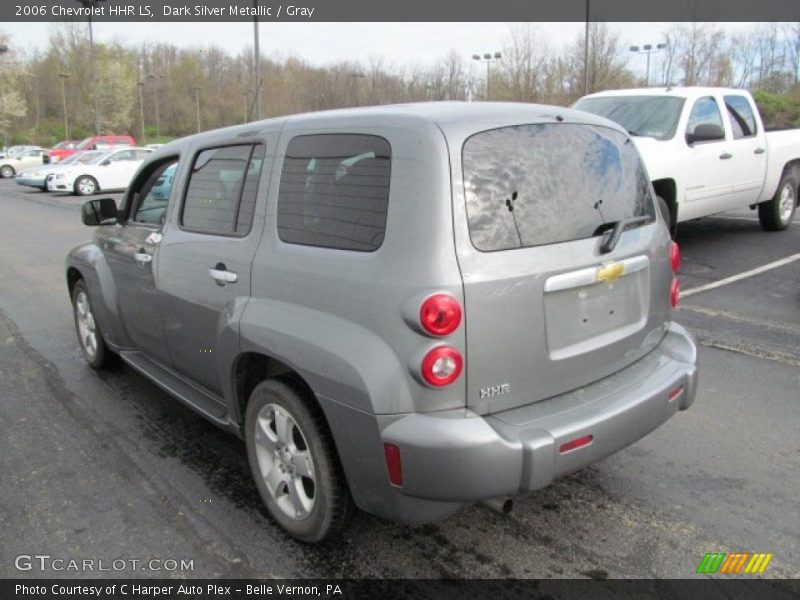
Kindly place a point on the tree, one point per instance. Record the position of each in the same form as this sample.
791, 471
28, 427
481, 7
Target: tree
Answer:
12, 104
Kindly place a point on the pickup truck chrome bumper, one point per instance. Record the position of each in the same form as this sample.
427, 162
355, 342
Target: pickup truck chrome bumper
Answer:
458, 456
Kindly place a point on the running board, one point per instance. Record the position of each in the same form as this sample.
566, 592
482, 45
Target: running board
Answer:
210, 406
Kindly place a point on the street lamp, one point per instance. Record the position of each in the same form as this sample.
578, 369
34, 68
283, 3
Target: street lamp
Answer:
140, 84
64, 77
197, 105
489, 59
91, 4
154, 78
256, 65
648, 49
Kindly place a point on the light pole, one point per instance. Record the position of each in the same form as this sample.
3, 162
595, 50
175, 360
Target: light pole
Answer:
90, 4
155, 78
140, 84
489, 59
648, 49
586, 53
256, 65
358, 75
64, 77
197, 105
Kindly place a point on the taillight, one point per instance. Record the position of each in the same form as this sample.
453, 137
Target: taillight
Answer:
442, 366
440, 314
674, 292
674, 256
393, 464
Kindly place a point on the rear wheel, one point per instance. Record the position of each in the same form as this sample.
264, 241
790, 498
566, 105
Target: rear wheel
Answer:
777, 214
7, 171
86, 186
91, 339
294, 463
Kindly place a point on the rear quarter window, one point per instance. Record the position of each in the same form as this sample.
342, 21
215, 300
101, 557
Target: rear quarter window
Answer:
334, 191
531, 185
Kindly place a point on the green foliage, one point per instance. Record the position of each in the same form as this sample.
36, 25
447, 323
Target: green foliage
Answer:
779, 110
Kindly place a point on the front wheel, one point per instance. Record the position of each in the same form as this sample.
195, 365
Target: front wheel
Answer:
294, 462
91, 339
85, 186
7, 171
777, 214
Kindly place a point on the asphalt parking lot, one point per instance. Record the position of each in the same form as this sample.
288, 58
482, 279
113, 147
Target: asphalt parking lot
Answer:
107, 466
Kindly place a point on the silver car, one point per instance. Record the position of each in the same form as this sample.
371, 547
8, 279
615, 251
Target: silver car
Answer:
403, 309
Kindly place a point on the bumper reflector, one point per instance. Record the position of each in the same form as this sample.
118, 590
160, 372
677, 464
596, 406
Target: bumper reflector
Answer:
393, 464
675, 393
575, 444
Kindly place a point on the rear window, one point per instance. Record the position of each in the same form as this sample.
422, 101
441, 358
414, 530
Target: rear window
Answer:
531, 185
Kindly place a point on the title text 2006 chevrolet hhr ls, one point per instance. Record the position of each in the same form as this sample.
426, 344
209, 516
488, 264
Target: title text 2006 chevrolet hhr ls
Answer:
404, 308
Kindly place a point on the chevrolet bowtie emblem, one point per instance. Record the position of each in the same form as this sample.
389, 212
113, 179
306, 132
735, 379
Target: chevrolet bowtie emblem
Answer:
610, 273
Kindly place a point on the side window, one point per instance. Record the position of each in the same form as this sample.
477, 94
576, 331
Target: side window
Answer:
141, 154
704, 112
740, 113
221, 193
334, 191
152, 198
120, 156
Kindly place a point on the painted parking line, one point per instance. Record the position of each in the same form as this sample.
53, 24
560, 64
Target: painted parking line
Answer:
740, 276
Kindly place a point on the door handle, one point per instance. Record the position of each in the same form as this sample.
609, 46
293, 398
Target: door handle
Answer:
725, 156
759, 151
221, 275
142, 257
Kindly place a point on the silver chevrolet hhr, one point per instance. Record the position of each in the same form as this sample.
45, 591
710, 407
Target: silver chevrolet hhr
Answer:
402, 308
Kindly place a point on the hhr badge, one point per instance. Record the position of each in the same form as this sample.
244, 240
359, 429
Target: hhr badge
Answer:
495, 390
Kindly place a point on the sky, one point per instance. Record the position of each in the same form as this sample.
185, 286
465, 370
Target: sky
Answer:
399, 44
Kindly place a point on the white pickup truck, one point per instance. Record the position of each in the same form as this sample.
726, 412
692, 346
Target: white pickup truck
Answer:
707, 151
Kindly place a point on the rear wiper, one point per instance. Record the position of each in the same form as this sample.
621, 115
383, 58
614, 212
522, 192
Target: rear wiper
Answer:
616, 232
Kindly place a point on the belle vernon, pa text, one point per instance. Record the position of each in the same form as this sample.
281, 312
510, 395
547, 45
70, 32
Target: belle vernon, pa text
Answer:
156, 591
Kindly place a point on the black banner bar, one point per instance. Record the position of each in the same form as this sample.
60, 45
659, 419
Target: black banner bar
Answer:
399, 11
729, 588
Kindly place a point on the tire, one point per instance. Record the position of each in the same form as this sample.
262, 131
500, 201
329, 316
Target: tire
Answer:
669, 219
777, 214
310, 507
85, 185
95, 351
7, 172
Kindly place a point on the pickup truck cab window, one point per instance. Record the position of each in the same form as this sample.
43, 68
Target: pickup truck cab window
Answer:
743, 121
705, 112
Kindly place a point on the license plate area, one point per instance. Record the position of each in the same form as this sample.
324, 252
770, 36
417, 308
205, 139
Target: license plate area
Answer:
583, 314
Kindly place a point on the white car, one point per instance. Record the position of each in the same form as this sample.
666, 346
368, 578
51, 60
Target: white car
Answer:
37, 176
112, 170
11, 165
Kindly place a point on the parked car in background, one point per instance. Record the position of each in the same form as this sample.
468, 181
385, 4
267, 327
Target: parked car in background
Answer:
707, 151
111, 171
11, 165
37, 176
417, 307
95, 142
12, 151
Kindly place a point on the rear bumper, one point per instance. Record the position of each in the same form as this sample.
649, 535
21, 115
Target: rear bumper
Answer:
456, 458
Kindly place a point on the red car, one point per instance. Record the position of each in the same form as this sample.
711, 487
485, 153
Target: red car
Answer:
95, 142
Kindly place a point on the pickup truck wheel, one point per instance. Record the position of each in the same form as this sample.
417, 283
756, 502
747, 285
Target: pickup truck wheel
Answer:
294, 462
7, 172
89, 335
777, 214
85, 186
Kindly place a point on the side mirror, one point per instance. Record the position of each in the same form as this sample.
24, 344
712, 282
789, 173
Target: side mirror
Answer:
102, 211
705, 132
105, 163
